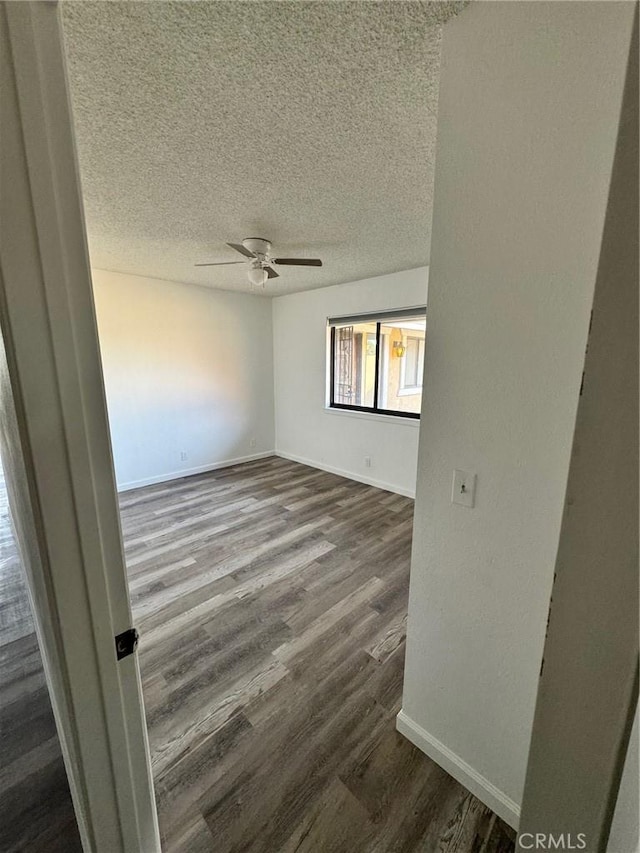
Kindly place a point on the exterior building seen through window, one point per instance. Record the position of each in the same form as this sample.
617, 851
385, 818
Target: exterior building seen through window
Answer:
377, 363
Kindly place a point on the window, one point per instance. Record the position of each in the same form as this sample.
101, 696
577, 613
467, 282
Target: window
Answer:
377, 362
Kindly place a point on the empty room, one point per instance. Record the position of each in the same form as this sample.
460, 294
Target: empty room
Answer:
333, 323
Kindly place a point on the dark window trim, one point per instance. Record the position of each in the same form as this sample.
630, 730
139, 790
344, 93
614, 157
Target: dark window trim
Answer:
378, 316
371, 410
376, 378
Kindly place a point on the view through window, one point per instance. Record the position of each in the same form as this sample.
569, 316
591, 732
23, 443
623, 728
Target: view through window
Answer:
377, 363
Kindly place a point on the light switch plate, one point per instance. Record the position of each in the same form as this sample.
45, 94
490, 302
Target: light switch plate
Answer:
463, 490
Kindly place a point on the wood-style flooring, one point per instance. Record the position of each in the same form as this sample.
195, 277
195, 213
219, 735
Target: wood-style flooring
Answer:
271, 600
36, 811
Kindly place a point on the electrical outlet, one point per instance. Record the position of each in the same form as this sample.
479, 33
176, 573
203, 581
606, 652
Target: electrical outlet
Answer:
183, 456
252, 443
367, 462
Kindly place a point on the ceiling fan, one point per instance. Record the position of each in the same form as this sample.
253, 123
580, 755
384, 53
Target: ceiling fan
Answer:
259, 260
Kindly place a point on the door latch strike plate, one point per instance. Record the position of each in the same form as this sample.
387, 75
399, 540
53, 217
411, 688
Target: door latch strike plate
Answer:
126, 643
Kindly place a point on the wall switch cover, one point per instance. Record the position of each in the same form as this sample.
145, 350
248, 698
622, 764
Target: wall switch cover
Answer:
463, 491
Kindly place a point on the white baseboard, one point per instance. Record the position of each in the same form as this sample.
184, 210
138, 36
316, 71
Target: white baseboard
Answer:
473, 781
187, 472
350, 475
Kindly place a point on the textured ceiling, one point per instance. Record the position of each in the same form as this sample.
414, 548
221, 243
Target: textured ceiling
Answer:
311, 124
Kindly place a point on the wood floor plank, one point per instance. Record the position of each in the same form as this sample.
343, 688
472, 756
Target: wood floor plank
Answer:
337, 824
36, 811
272, 602
500, 840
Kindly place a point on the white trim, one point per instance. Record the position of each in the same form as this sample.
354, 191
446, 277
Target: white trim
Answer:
373, 416
74, 558
455, 766
350, 475
188, 472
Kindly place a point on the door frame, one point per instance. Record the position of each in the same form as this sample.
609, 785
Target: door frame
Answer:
58, 435
588, 687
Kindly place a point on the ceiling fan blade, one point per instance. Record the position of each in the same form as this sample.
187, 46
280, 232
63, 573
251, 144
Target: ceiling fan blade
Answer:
271, 272
299, 262
240, 248
220, 264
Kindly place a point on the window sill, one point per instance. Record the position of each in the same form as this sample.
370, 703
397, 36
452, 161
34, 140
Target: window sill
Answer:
374, 416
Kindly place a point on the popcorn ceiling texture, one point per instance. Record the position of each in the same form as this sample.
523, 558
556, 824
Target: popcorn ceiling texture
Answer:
312, 124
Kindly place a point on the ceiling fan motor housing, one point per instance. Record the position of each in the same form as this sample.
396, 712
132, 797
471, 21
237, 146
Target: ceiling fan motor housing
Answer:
257, 245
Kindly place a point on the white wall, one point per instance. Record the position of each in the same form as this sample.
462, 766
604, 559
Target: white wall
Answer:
588, 687
530, 96
625, 828
187, 370
305, 429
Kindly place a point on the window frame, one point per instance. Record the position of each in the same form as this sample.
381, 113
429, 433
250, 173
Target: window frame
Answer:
410, 390
379, 320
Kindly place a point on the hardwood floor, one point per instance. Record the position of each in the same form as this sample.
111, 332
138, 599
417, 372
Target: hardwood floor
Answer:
271, 600
36, 812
